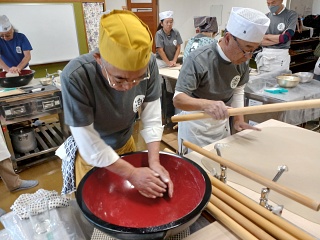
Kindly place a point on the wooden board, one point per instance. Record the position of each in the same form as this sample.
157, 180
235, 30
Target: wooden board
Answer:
171, 139
11, 93
262, 152
213, 231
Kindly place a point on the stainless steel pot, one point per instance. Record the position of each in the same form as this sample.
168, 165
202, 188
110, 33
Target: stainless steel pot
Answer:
23, 139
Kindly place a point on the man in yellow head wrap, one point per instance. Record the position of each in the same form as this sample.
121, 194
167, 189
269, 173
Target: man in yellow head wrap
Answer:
102, 92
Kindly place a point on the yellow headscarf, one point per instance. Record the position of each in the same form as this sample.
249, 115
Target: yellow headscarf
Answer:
124, 40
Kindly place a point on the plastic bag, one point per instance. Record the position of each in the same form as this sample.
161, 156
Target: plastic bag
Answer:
317, 51
317, 67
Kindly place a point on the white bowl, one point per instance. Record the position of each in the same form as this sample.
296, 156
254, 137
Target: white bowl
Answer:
45, 81
305, 76
288, 80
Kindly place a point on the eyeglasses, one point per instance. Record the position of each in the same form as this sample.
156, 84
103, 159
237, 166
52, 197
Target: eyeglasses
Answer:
246, 54
119, 83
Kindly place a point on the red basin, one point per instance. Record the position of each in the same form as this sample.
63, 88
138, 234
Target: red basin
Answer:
114, 206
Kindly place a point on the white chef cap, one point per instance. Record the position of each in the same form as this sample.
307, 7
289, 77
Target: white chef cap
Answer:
5, 24
247, 24
165, 14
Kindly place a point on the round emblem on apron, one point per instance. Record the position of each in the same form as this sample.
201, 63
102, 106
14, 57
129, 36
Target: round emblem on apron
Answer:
281, 26
137, 102
175, 42
235, 81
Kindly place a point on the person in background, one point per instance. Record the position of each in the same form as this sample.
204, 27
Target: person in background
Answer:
10, 179
168, 41
102, 93
213, 77
15, 48
276, 42
208, 29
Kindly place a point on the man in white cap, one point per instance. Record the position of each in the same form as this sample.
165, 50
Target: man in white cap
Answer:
276, 42
213, 77
102, 93
15, 48
168, 41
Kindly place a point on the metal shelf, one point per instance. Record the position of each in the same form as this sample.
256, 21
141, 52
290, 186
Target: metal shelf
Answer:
49, 137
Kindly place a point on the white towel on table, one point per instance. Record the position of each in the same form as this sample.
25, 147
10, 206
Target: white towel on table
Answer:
21, 204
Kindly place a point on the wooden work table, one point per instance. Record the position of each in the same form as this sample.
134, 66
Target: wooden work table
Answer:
169, 73
252, 190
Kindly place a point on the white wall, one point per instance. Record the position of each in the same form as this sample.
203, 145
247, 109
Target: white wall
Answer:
303, 8
115, 4
316, 7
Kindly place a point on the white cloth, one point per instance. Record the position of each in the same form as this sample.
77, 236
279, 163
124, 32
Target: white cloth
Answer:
67, 152
165, 14
271, 60
201, 132
152, 129
4, 152
317, 67
21, 204
247, 24
238, 97
5, 24
92, 148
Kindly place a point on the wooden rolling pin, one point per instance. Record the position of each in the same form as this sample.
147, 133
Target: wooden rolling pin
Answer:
256, 208
228, 221
242, 220
315, 205
274, 107
255, 218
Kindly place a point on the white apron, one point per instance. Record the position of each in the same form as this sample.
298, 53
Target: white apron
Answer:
271, 59
4, 152
317, 67
201, 132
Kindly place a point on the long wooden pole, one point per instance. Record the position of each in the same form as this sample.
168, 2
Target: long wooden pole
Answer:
315, 205
255, 218
274, 107
285, 225
228, 221
242, 220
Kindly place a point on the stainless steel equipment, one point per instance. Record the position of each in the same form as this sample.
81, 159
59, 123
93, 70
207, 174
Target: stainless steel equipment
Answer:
265, 192
38, 101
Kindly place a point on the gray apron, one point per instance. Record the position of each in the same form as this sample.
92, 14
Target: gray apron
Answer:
201, 132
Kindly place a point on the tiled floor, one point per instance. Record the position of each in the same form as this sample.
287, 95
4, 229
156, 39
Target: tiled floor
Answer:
49, 174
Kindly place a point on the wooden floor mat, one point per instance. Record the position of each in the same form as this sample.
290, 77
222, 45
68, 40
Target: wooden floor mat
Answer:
171, 139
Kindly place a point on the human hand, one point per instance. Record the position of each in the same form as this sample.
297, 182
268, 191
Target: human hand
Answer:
217, 110
164, 176
15, 70
240, 125
147, 182
172, 64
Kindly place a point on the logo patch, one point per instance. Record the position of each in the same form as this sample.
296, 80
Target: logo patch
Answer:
235, 81
281, 27
174, 42
137, 102
18, 49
